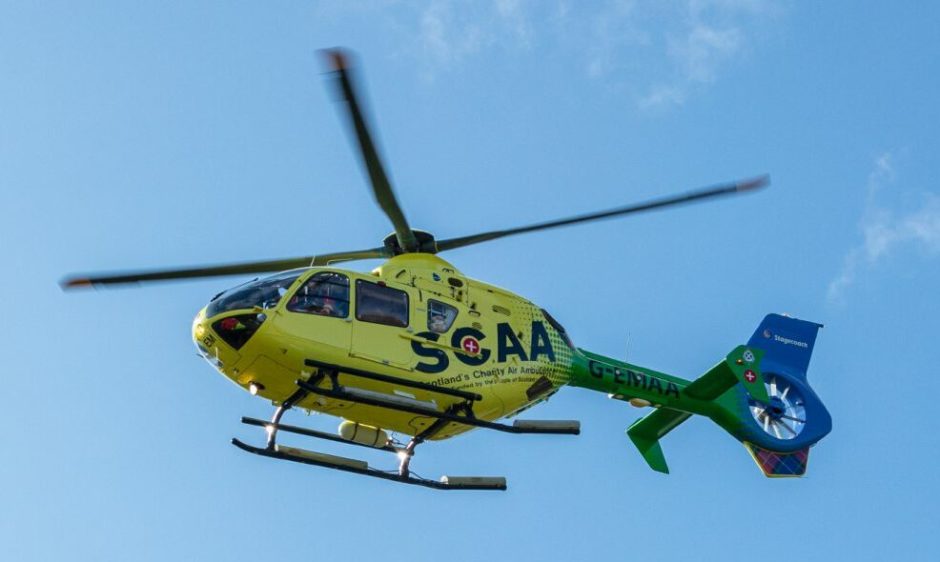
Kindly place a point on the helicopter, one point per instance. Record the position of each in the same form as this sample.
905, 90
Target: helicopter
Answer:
417, 348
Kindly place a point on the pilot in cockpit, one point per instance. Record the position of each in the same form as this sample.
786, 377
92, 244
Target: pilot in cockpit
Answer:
324, 294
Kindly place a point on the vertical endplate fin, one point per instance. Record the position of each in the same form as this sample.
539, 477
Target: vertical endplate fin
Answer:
652, 452
647, 431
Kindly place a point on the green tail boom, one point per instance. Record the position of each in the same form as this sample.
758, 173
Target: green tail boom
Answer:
758, 393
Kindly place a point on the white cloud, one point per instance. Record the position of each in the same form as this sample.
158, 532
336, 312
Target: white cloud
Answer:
449, 31
515, 16
885, 231
613, 30
661, 95
445, 39
699, 52
659, 52
708, 35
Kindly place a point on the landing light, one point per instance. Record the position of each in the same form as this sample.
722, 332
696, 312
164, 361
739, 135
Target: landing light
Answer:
255, 387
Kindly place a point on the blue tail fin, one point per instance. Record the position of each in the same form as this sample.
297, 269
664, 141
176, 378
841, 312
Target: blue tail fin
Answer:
794, 418
787, 344
759, 394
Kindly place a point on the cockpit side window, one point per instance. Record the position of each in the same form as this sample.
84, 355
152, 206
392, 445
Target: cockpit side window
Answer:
380, 304
326, 294
440, 316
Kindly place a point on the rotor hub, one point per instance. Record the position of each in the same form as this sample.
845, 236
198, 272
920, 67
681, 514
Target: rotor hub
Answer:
426, 243
776, 408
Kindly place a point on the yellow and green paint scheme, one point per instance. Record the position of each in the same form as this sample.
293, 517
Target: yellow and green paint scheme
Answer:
496, 344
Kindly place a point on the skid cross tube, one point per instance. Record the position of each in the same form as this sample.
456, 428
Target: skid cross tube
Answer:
312, 433
431, 413
395, 380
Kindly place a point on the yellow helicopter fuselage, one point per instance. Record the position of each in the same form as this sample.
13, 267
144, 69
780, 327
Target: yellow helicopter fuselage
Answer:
417, 348
415, 317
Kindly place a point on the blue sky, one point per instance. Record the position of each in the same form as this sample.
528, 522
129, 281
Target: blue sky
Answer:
187, 133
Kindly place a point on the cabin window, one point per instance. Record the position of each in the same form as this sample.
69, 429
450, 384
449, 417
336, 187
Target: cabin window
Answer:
559, 328
326, 294
440, 316
380, 304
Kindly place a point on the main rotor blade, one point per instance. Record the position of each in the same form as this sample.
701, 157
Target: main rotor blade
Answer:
381, 187
123, 278
696, 195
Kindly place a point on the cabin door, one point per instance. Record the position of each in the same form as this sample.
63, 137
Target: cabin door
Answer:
380, 331
319, 313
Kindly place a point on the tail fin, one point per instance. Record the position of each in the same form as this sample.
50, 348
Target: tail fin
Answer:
787, 344
647, 431
759, 394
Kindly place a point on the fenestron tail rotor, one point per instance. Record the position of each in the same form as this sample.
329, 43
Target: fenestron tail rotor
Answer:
784, 415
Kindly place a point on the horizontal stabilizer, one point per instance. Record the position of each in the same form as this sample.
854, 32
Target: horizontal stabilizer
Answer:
779, 465
647, 431
712, 384
740, 366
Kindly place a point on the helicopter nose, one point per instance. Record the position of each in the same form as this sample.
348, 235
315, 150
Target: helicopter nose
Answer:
202, 336
210, 346
200, 333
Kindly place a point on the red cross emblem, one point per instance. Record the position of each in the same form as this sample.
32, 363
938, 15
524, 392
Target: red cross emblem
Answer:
470, 345
749, 376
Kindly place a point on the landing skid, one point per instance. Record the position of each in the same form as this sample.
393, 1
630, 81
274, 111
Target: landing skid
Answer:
459, 412
361, 467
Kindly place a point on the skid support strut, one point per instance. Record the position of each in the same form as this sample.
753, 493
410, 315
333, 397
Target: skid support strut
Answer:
293, 399
460, 412
409, 450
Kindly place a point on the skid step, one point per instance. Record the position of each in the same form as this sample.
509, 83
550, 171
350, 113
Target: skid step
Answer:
324, 458
337, 369
571, 427
389, 398
368, 398
474, 482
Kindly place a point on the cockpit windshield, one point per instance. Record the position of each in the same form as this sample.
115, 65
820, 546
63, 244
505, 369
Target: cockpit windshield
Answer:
263, 293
